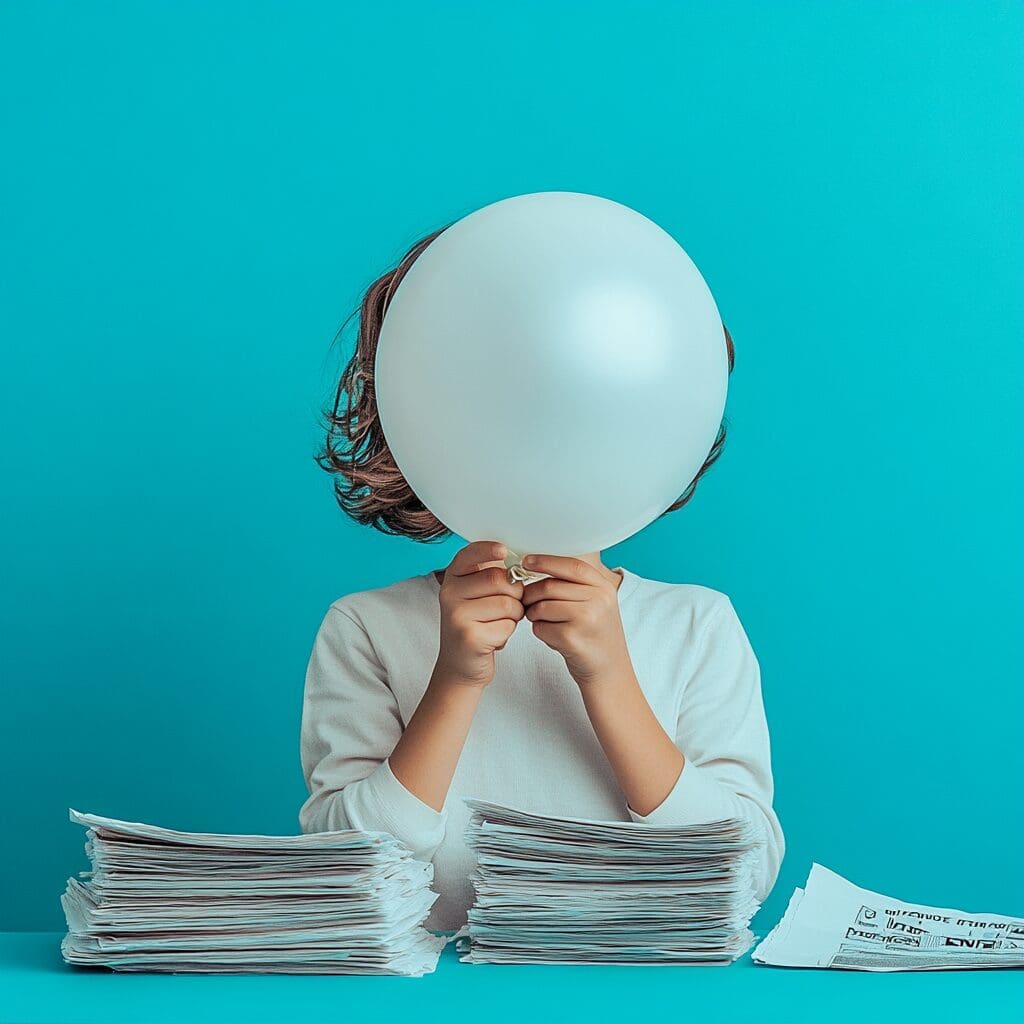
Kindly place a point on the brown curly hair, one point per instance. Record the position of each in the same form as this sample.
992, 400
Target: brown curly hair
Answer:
368, 485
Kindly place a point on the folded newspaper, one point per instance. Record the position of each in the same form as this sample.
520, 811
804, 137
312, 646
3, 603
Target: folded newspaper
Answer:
833, 923
568, 890
331, 903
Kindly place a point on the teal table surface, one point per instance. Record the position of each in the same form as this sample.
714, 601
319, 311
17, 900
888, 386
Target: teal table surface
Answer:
37, 986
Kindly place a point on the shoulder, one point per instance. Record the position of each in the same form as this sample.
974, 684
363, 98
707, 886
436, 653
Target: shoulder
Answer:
398, 602
692, 607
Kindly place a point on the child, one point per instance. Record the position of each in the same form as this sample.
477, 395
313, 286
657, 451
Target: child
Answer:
591, 692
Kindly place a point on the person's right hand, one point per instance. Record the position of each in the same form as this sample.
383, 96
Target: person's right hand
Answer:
479, 611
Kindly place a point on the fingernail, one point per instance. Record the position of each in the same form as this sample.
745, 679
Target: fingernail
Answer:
527, 561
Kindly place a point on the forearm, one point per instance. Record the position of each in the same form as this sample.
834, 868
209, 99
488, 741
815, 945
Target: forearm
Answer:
646, 761
426, 756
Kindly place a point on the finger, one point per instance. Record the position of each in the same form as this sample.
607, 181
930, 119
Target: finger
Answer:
553, 611
549, 633
485, 582
553, 588
493, 608
575, 570
498, 633
476, 555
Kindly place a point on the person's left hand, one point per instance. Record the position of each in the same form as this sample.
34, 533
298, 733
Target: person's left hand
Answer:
575, 611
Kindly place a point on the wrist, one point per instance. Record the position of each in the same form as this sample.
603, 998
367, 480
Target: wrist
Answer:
610, 681
445, 680
613, 700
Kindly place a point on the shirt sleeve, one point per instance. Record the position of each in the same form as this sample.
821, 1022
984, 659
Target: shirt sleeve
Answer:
350, 724
723, 736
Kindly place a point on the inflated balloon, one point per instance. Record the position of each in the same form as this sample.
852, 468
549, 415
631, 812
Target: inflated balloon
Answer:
551, 373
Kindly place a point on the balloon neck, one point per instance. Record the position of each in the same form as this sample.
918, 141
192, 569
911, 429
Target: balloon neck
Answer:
516, 572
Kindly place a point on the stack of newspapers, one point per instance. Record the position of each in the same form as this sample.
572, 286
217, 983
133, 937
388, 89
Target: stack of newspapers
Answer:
833, 923
331, 903
567, 890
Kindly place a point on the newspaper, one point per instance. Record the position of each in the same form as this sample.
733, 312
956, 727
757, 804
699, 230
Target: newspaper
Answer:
570, 890
330, 903
833, 923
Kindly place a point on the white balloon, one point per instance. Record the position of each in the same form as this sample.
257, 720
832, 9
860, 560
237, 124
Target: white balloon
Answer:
551, 373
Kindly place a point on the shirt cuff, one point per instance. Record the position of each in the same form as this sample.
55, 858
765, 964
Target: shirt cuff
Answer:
404, 815
695, 799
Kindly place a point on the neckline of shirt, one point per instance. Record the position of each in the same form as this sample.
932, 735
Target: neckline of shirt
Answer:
625, 588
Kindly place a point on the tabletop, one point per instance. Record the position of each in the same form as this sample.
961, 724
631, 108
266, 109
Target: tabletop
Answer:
37, 987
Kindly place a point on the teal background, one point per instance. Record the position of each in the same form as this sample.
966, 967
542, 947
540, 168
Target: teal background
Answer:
39, 989
195, 195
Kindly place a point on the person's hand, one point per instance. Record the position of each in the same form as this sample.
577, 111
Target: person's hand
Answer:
575, 611
480, 608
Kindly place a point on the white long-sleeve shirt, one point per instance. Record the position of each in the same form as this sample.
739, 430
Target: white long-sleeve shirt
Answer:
531, 745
